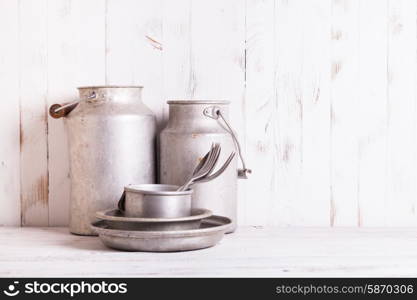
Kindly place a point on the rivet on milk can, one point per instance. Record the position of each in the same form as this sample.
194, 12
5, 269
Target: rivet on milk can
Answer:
192, 127
111, 136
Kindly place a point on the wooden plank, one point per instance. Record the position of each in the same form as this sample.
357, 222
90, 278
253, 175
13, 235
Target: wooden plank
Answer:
302, 39
372, 113
133, 48
261, 206
176, 53
33, 112
401, 114
330, 132
218, 52
9, 114
90, 32
344, 111
315, 101
62, 60
288, 45
218, 62
253, 252
76, 56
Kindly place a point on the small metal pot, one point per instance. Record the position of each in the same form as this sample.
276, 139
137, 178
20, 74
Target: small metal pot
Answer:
156, 201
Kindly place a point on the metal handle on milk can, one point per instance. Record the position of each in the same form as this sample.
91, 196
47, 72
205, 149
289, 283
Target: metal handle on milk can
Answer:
57, 111
214, 112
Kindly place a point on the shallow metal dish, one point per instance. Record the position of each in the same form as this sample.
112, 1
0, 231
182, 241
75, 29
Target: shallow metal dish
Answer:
116, 219
209, 234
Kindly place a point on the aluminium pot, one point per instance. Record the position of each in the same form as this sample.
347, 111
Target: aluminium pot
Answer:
192, 128
156, 201
111, 135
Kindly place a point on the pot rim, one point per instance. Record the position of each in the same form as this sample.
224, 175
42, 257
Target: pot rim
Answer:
147, 189
188, 102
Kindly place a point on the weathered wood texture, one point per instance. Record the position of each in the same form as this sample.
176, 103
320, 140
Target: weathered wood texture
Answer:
33, 82
9, 114
323, 97
76, 57
250, 252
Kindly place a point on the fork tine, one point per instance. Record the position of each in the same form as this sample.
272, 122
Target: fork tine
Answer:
215, 160
211, 160
207, 164
201, 163
204, 161
201, 168
219, 171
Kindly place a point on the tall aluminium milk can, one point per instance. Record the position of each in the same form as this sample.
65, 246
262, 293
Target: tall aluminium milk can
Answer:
192, 127
111, 136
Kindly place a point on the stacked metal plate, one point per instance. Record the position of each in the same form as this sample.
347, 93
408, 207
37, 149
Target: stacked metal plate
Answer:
199, 230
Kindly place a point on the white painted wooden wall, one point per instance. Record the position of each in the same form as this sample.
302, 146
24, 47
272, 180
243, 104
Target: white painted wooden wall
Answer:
323, 96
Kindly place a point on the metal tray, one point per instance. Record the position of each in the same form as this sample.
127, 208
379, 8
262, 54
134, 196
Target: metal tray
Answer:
209, 234
115, 219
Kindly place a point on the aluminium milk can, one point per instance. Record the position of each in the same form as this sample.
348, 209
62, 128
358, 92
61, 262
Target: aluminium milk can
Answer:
111, 135
192, 127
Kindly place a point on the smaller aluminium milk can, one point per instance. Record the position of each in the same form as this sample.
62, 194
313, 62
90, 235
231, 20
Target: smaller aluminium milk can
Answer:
111, 136
192, 127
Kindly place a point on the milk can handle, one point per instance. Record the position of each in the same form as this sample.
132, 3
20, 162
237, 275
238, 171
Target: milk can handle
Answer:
214, 112
61, 110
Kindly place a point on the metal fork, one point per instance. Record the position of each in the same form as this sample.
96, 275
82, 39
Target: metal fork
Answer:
218, 172
203, 168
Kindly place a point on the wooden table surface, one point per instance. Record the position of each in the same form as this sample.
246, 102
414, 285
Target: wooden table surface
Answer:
250, 252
